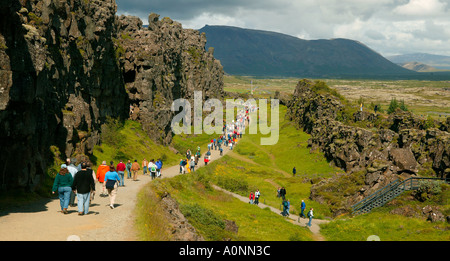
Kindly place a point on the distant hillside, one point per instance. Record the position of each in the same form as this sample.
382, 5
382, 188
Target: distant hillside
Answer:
418, 67
263, 53
438, 61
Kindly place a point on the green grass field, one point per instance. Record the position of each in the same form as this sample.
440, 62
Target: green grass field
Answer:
207, 209
252, 166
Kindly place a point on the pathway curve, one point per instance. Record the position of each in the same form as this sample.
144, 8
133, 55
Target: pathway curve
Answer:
43, 221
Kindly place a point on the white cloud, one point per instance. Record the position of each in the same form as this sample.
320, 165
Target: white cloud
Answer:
387, 26
421, 8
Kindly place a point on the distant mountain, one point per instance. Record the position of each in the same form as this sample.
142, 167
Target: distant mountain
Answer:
418, 67
264, 53
437, 61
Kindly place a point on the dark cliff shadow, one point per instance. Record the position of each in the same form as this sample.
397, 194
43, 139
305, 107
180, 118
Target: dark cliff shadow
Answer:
28, 125
10, 204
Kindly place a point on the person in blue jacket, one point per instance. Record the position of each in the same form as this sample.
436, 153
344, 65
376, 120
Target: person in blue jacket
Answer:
113, 177
159, 165
303, 207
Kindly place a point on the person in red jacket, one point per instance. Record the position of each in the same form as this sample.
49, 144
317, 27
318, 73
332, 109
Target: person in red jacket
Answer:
101, 171
121, 171
251, 197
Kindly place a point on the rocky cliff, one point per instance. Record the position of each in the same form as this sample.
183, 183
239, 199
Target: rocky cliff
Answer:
65, 66
162, 63
382, 149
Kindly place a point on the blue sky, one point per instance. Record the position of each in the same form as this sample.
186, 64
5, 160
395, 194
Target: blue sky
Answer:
389, 27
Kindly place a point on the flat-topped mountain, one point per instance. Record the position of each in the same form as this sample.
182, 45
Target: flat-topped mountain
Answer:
264, 53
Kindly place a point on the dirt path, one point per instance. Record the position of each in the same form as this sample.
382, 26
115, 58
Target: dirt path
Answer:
43, 221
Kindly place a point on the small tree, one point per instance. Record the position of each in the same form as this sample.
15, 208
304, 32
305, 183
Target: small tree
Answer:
403, 106
395, 104
392, 106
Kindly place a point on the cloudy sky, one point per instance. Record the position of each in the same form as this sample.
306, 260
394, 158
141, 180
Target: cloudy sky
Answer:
389, 27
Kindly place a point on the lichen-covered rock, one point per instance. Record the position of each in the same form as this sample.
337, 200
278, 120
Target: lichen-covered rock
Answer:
162, 63
396, 147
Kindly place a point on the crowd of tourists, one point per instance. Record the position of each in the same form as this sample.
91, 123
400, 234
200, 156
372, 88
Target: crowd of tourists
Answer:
80, 181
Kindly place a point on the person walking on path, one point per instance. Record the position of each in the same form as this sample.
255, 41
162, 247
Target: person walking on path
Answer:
82, 185
159, 165
284, 204
62, 184
134, 168
144, 166
283, 193
73, 170
294, 171
121, 172
288, 206
302, 207
257, 195
251, 197
152, 169
192, 164
94, 176
128, 167
111, 183
101, 171
310, 216
181, 166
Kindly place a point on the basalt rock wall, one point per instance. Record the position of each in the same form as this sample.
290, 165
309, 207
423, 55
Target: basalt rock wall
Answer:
385, 148
65, 66
161, 63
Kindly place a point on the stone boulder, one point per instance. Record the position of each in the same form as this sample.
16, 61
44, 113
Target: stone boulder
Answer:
404, 160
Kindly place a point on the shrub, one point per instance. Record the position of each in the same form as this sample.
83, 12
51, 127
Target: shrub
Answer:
232, 184
427, 189
111, 132
210, 224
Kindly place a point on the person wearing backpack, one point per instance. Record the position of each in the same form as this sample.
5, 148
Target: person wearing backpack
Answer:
284, 203
152, 168
310, 216
111, 183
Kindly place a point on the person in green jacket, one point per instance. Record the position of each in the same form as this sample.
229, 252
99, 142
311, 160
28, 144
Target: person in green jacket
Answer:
62, 184
128, 167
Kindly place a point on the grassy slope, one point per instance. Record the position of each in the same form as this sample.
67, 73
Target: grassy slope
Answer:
253, 166
206, 209
135, 144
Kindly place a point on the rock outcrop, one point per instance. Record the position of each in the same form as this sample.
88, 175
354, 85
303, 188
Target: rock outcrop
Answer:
181, 229
383, 148
162, 63
66, 66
